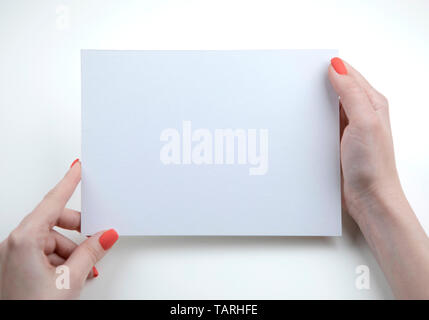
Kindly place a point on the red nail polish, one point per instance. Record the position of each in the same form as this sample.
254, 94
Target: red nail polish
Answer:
74, 162
95, 272
108, 239
338, 65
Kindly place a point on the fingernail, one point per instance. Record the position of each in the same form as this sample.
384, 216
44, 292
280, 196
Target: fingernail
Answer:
108, 239
338, 65
74, 162
94, 272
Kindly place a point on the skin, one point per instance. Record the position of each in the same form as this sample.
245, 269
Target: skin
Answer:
372, 194
31, 253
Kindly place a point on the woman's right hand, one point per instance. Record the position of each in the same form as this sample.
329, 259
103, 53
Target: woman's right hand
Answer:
367, 158
372, 192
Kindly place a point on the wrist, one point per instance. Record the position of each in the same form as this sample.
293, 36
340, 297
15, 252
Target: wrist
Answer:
382, 212
384, 200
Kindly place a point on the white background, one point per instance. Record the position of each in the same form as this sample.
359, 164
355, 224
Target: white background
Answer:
40, 44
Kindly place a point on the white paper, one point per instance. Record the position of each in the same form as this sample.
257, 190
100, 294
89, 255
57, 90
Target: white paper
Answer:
142, 173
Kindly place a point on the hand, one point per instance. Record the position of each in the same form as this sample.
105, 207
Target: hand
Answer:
372, 192
31, 253
367, 158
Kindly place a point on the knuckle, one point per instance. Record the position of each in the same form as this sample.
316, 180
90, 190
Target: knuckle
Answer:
354, 89
92, 252
54, 196
381, 102
17, 239
384, 100
50, 195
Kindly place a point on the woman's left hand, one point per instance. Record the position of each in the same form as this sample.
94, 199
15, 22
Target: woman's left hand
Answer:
37, 262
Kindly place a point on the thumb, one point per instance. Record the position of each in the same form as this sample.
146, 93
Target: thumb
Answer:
89, 252
355, 101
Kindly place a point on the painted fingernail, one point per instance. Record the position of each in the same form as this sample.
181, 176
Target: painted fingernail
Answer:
94, 272
108, 239
74, 162
338, 65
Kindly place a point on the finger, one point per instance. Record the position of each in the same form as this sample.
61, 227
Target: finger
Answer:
52, 206
89, 252
64, 247
55, 260
69, 219
50, 244
378, 101
353, 98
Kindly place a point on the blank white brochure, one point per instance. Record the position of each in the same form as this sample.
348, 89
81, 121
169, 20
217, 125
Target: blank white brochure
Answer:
210, 143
